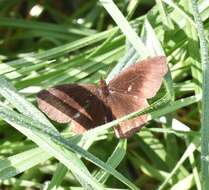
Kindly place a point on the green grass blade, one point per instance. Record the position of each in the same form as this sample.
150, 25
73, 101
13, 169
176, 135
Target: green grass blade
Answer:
18, 163
190, 149
171, 107
57, 177
114, 160
123, 24
23, 106
205, 98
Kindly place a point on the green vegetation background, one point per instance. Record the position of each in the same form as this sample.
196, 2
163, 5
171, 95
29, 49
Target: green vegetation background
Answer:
78, 42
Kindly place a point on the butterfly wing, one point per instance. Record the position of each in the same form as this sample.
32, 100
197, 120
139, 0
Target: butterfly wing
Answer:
79, 104
130, 89
142, 79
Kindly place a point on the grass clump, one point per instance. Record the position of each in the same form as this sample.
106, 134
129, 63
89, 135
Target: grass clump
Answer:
44, 44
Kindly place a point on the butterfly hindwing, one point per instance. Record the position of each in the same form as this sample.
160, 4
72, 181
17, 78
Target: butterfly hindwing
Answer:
122, 105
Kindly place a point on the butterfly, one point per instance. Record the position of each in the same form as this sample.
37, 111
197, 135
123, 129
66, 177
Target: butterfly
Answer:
87, 105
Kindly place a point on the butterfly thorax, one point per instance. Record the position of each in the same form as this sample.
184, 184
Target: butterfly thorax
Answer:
104, 88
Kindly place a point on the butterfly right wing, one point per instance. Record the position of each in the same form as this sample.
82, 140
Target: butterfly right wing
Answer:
79, 104
130, 90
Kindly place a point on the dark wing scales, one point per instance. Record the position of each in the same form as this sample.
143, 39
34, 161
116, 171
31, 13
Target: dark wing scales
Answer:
122, 105
142, 79
79, 104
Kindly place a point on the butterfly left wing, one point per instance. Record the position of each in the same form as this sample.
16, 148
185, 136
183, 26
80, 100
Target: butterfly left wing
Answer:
79, 104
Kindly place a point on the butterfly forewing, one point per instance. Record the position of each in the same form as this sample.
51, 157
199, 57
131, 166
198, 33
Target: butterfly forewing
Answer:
142, 79
79, 104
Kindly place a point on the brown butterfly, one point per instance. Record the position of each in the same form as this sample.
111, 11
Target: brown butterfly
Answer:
88, 106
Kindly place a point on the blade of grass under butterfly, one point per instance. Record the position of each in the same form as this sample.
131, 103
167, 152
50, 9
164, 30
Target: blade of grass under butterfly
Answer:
171, 107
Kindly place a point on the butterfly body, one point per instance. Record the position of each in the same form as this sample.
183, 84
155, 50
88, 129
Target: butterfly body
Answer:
88, 106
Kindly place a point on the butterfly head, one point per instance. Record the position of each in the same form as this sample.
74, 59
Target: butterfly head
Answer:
104, 88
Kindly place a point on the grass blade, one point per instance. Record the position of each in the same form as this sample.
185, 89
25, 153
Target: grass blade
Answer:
205, 97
